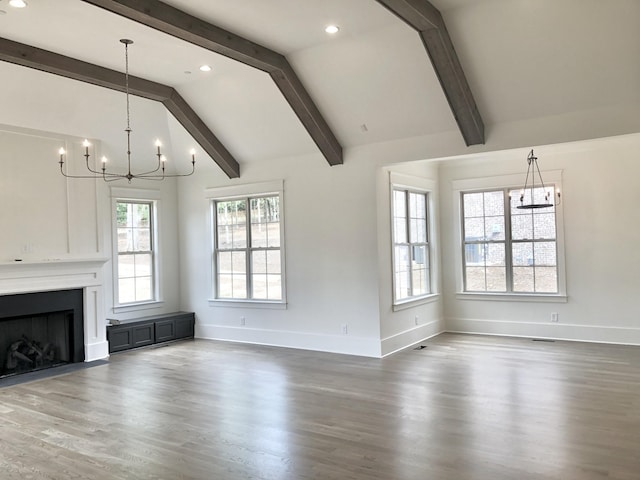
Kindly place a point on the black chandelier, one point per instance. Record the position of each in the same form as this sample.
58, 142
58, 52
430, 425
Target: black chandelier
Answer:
550, 200
157, 173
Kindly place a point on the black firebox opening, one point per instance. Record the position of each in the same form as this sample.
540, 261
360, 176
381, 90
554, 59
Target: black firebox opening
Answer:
40, 330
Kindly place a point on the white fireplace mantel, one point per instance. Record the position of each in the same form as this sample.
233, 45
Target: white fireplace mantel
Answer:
42, 275
62, 274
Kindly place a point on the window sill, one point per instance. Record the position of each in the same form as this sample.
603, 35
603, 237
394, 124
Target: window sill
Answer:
512, 297
135, 307
247, 304
414, 302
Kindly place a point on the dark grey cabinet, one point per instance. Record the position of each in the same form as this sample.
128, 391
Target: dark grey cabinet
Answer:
150, 330
165, 330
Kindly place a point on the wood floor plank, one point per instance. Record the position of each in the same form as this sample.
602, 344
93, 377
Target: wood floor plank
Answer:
464, 407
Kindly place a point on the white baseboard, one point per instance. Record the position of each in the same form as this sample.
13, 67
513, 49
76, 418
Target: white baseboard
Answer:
402, 340
96, 351
346, 344
556, 331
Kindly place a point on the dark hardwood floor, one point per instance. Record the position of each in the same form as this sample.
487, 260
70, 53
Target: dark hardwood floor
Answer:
465, 407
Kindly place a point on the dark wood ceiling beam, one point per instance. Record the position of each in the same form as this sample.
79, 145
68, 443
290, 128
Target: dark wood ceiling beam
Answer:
427, 20
291, 87
46, 61
185, 115
170, 20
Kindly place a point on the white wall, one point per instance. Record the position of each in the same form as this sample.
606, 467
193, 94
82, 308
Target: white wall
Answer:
47, 216
338, 257
339, 267
44, 216
331, 258
600, 205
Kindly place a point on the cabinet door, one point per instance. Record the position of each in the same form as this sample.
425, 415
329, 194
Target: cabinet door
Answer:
119, 338
165, 330
184, 326
143, 334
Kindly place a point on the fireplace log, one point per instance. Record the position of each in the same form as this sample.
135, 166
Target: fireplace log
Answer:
49, 352
15, 355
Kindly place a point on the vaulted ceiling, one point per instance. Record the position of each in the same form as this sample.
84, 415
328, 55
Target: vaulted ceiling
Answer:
390, 73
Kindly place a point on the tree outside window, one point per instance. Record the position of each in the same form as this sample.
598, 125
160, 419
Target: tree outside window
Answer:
247, 256
134, 224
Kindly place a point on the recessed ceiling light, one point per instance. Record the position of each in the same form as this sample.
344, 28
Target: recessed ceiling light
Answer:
18, 3
205, 68
332, 29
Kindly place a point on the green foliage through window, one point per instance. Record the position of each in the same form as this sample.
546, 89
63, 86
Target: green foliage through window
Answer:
135, 251
247, 257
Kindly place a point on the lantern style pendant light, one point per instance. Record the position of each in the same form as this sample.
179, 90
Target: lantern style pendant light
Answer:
550, 199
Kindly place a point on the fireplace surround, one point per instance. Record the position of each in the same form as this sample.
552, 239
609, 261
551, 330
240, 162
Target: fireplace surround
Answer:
80, 278
41, 330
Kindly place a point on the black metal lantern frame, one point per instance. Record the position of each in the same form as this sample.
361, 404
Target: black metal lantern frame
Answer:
550, 200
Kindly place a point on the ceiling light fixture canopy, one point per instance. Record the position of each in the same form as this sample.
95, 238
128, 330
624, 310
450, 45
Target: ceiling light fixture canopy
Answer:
18, 3
157, 173
549, 199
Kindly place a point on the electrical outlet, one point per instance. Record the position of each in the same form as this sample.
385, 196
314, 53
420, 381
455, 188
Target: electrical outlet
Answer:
243, 321
554, 317
345, 329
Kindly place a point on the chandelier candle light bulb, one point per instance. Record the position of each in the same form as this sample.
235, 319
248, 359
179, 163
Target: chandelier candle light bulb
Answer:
61, 161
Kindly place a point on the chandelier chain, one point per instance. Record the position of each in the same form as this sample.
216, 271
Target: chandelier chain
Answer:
126, 82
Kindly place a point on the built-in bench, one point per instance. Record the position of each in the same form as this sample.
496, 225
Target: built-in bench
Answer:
150, 330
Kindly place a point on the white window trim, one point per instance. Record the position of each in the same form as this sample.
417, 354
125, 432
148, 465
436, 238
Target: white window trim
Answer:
422, 185
501, 182
137, 194
415, 301
275, 187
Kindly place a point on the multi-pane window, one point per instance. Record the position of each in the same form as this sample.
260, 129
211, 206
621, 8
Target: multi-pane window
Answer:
411, 276
247, 255
135, 243
507, 249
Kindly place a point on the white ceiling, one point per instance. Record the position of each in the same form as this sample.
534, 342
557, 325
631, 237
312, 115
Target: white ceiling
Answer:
523, 59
